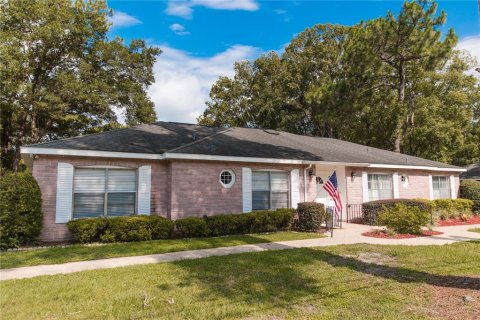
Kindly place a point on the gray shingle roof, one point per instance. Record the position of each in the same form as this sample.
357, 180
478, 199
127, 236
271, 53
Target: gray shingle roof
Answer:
162, 137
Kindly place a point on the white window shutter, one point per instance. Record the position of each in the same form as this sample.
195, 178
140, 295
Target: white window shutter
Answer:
144, 190
63, 206
396, 191
295, 187
453, 191
247, 189
365, 186
430, 187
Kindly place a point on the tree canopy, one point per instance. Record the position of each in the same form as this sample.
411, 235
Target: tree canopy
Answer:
61, 76
393, 82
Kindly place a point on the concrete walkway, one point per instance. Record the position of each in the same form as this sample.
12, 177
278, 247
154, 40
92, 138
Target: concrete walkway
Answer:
350, 234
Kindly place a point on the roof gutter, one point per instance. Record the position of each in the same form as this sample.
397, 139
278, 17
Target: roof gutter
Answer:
187, 156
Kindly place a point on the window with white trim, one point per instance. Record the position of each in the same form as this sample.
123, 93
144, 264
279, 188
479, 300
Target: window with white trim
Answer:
441, 187
227, 178
380, 186
102, 192
270, 190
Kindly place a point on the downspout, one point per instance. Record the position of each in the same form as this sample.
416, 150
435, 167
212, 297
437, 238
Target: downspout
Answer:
305, 181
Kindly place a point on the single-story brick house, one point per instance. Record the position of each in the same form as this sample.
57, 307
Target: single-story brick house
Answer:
178, 170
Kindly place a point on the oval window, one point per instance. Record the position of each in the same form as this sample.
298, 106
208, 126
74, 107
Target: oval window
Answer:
227, 178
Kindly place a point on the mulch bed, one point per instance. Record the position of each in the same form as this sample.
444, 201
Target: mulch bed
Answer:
459, 222
384, 235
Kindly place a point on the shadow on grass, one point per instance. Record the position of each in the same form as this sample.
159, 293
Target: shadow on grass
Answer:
289, 276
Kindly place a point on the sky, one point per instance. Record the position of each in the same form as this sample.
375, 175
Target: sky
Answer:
201, 39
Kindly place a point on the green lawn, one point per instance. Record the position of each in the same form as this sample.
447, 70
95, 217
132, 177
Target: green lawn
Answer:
342, 282
474, 230
81, 252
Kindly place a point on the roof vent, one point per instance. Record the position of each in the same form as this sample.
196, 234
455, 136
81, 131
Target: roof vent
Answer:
272, 132
194, 136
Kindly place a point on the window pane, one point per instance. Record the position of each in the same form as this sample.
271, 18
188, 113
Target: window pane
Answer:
260, 181
88, 205
89, 180
441, 187
260, 200
121, 204
279, 200
122, 180
279, 181
380, 187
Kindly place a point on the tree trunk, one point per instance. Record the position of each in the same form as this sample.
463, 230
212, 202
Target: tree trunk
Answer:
401, 100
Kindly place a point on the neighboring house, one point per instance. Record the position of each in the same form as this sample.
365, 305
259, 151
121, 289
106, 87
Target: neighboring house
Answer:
181, 170
472, 173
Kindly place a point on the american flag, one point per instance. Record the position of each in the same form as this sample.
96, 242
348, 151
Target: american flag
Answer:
331, 186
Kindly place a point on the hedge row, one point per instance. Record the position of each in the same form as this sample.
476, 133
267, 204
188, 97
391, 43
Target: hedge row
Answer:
372, 209
440, 208
141, 228
470, 189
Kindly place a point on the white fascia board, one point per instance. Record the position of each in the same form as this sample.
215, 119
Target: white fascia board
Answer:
187, 156
89, 153
393, 166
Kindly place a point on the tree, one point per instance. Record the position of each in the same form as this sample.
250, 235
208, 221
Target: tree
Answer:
60, 76
406, 45
390, 83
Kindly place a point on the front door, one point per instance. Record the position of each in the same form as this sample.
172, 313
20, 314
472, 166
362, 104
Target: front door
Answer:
322, 195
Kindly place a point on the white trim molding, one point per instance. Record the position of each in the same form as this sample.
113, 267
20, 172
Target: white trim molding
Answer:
246, 189
64, 197
188, 156
396, 186
453, 190
430, 186
365, 186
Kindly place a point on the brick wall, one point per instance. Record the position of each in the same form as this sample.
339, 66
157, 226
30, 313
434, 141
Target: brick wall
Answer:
179, 188
417, 186
196, 190
45, 171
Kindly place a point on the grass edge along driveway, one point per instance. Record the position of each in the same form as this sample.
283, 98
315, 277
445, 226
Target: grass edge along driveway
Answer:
338, 282
54, 255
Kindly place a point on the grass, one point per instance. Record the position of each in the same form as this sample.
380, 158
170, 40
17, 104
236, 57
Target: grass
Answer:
342, 282
13, 259
474, 230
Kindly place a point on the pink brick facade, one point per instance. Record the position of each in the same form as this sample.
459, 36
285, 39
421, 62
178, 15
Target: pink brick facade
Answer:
417, 186
178, 188
184, 188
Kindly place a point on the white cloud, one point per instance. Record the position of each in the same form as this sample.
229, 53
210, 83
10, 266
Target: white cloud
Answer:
183, 82
472, 46
179, 29
184, 8
121, 19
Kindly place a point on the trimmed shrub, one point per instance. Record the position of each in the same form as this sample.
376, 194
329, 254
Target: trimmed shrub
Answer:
453, 208
404, 219
257, 221
192, 227
470, 189
372, 209
463, 205
20, 209
127, 229
87, 230
282, 219
134, 228
141, 228
310, 216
